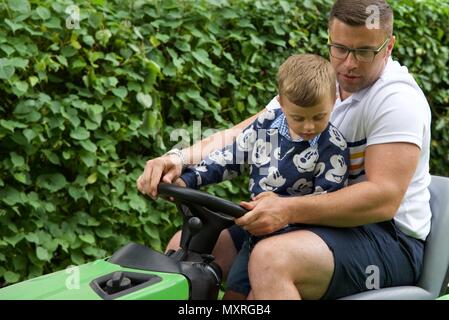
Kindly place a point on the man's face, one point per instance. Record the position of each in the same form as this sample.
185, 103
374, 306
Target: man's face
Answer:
307, 122
353, 75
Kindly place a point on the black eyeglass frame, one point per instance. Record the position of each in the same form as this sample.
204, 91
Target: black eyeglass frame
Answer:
349, 50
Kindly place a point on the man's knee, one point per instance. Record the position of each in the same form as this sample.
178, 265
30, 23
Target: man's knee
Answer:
299, 257
268, 254
303, 246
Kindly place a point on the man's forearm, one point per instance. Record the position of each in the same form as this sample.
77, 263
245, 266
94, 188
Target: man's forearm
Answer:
359, 204
195, 153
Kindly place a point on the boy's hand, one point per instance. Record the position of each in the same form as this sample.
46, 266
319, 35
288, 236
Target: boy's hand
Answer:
180, 183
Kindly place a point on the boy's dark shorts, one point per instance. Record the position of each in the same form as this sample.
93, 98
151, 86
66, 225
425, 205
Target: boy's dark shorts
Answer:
359, 254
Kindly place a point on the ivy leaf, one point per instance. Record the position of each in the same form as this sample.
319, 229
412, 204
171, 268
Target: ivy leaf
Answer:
10, 196
88, 238
14, 26
42, 254
76, 192
103, 36
95, 252
29, 134
137, 203
6, 70
120, 92
51, 156
119, 185
43, 13
20, 88
22, 177
104, 232
77, 258
11, 125
80, 133
11, 277
13, 240
202, 56
89, 158
22, 6
17, 160
145, 100
88, 145
18, 62
151, 231
92, 178
51, 182
32, 237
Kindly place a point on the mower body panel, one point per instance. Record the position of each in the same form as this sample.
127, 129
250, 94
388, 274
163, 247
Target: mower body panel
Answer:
79, 283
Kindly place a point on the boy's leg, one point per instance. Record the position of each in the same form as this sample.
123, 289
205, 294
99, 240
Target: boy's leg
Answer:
224, 251
237, 284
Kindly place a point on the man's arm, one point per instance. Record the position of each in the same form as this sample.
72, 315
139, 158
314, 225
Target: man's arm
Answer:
389, 169
168, 168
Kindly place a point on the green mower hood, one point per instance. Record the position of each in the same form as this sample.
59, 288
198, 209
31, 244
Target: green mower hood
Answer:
85, 282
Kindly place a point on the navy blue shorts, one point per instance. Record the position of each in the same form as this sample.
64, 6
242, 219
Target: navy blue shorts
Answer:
358, 252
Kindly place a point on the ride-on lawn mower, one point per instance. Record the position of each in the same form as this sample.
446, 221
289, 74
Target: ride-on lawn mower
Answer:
136, 272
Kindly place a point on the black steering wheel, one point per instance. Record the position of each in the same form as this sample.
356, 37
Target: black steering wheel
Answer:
189, 196
205, 216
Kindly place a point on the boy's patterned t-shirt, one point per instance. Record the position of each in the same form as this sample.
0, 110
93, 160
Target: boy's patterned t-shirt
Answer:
276, 162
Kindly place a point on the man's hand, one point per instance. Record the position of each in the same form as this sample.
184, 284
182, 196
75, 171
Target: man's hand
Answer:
265, 215
163, 169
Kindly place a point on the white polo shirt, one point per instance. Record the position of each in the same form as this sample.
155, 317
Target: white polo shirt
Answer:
393, 109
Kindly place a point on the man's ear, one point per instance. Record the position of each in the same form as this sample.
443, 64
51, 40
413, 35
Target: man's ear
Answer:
390, 45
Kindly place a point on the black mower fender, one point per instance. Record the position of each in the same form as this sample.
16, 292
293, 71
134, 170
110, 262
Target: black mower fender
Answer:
137, 256
204, 279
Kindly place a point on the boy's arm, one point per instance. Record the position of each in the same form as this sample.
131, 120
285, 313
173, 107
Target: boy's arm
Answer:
168, 168
222, 164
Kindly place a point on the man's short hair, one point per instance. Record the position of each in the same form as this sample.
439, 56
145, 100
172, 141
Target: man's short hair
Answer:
305, 79
362, 12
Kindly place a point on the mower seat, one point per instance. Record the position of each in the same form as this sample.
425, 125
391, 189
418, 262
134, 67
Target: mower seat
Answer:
436, 254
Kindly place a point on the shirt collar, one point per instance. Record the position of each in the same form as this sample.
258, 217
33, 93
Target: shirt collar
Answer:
280, 123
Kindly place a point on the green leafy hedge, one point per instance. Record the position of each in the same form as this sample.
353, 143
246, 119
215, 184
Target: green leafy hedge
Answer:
83, 108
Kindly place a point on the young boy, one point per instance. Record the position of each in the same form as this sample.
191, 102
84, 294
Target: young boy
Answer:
290, 151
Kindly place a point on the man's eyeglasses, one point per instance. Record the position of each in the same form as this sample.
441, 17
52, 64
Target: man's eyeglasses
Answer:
362, 55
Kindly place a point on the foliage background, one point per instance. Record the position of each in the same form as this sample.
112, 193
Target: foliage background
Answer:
82, 109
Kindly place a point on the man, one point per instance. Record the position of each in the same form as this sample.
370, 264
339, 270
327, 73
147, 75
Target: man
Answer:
380, 221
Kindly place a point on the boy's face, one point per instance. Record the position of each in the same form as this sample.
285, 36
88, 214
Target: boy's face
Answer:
307, 122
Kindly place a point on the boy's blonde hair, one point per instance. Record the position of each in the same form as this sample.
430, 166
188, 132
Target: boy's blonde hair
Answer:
305, 79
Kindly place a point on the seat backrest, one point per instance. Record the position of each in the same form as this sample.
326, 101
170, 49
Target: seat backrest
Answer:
436, 252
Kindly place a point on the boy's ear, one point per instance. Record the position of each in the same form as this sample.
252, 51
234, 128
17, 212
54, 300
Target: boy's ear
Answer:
280, 102
333, 104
